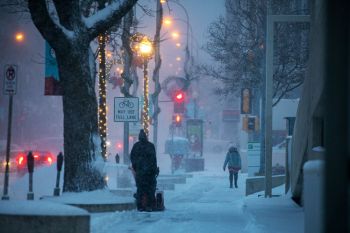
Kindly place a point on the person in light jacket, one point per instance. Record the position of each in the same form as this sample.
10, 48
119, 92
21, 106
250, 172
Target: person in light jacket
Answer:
233, 160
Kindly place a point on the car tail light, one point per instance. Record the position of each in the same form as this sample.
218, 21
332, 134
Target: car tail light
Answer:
36, 156
49, 160
21, 159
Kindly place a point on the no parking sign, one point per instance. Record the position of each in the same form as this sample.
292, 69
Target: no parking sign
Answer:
10, 79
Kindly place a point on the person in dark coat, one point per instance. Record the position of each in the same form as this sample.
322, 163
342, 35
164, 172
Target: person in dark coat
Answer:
144, 163
233, 160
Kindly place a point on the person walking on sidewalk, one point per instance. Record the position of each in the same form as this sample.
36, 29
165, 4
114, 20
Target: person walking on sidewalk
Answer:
144, 164
233, 160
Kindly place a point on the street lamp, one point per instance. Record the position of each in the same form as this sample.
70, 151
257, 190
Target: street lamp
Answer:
142, 46
19, 37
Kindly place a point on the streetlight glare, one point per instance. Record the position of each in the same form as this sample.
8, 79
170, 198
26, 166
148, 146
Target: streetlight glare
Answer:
178, 58
145, 46
175, 35
162, 1
178, 45
167, 21
19, 36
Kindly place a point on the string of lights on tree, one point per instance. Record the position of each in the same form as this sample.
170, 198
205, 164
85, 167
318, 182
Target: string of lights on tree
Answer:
102, 107
142, 46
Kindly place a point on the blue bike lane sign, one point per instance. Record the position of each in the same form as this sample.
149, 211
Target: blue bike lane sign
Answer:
10, 79
126, 109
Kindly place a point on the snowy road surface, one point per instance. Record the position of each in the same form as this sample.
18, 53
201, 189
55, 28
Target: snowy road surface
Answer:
205, 204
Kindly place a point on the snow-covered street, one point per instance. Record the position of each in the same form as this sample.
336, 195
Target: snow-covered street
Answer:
206, 204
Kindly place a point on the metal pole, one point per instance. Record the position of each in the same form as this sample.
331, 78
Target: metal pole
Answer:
56, 191
287, 179
126, 143
271, 19
8, 150
30, 195
268, 104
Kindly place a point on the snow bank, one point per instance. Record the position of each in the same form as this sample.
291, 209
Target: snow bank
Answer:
43, 208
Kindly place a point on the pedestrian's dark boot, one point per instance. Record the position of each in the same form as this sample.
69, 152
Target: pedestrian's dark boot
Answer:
231, 179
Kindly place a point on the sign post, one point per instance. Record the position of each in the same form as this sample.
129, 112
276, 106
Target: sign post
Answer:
126, 110
10, 88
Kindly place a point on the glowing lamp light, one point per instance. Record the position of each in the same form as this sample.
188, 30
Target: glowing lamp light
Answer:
49, 159
178, 45
146, 47
175, 35
178, 58
19, 36
162, 1
167, 21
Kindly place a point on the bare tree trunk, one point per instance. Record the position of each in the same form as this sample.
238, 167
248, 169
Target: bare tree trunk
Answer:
81, 136
126, 75
70, 37
158, 63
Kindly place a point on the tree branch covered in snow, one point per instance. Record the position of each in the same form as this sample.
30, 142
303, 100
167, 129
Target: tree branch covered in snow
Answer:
104, 19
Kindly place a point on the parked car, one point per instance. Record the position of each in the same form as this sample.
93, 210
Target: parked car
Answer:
18, 160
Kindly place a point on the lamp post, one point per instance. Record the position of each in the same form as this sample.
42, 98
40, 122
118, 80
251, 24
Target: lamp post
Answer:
143, 46
187, 51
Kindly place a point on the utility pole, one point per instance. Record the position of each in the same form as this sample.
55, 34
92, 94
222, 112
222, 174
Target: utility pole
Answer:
268, 103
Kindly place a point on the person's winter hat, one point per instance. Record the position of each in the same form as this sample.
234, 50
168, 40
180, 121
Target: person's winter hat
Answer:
142, 136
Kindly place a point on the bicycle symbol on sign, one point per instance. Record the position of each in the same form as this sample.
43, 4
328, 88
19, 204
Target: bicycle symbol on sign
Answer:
10, 73
126, 103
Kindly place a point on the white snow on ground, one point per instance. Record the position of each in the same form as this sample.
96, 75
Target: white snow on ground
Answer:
205, 204
96, 197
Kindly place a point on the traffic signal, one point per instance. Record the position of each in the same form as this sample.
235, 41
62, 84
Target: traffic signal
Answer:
179, 102
177, 119
250, 123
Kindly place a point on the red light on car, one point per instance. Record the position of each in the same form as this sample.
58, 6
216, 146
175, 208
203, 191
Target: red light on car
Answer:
49, 159
119, 145
20, 160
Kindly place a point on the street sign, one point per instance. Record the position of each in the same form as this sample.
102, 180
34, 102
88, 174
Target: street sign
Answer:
126, 109
10, 79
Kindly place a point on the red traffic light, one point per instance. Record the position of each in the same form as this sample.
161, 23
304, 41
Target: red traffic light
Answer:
179, 97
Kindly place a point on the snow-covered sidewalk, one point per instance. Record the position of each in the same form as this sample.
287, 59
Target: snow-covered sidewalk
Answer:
205, 204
